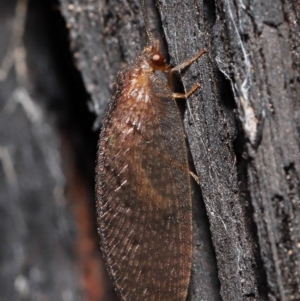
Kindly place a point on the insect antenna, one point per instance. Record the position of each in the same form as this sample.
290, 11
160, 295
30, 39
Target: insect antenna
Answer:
146, 23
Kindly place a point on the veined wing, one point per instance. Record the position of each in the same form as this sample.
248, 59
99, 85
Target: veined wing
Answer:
143, 198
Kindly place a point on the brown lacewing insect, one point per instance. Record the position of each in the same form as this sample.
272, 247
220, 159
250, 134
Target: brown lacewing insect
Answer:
144, 204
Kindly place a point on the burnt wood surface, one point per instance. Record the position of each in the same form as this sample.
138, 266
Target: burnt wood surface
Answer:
48, 243
242, 127
36, 227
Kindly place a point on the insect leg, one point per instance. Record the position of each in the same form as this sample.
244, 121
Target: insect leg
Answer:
189, 61
196, 178
187, 94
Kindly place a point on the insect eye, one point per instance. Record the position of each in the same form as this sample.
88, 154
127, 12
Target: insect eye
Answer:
157, 59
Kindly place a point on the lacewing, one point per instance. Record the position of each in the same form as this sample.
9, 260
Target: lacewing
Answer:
143, 193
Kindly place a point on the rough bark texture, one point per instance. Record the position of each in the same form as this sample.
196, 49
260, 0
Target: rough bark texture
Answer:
35, 225
264, 41
48, 243
242, 127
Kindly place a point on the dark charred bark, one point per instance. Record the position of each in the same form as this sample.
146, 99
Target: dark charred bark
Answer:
37, 230
49, 248
242, 127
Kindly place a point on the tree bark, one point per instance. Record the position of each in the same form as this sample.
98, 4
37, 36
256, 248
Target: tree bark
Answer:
49, 248
37, 230
264, 41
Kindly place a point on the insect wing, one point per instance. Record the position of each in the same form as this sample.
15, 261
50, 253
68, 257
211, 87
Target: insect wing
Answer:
143, 197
